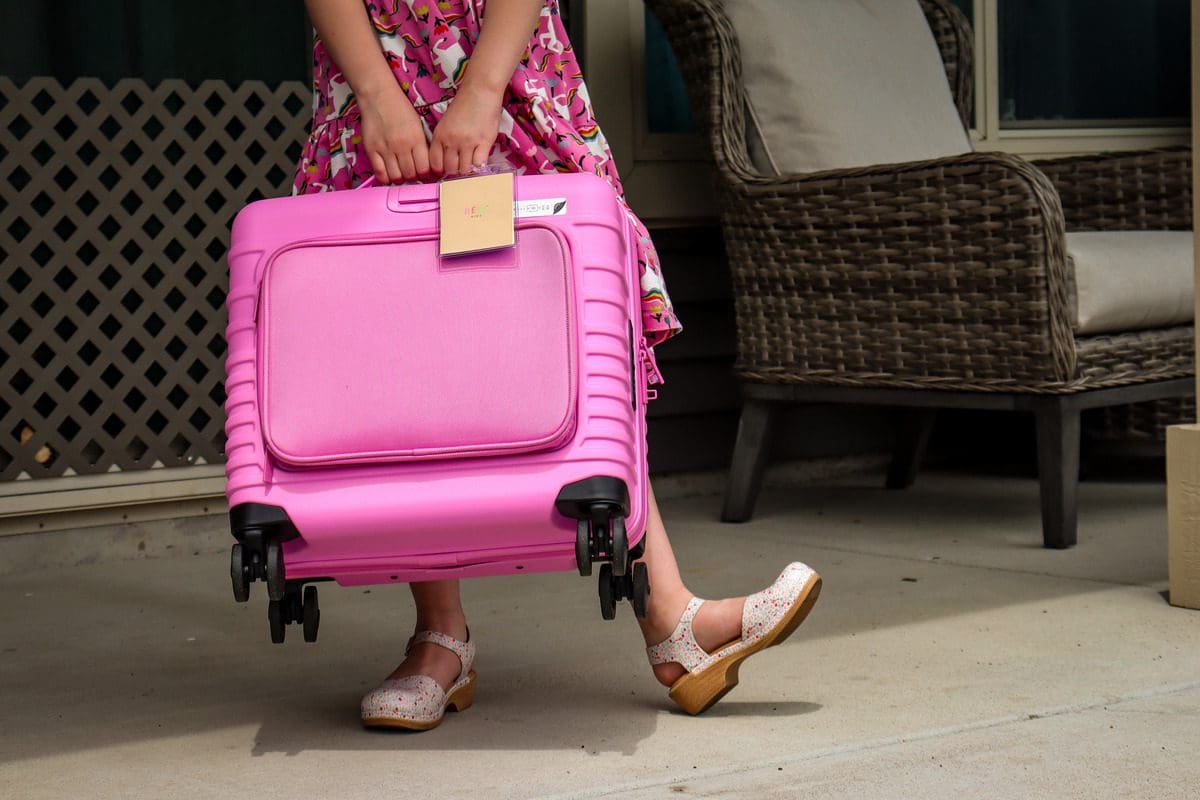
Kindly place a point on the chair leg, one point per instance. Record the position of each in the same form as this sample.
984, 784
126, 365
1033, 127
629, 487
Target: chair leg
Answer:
750, 455
1058, 469
911, 442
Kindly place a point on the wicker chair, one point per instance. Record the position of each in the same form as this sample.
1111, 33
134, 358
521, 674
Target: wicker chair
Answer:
940, 283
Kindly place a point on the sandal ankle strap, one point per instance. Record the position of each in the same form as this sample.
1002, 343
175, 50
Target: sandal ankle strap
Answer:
464, 650
681, 645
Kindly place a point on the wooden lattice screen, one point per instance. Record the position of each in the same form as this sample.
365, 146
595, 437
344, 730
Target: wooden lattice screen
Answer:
115, 206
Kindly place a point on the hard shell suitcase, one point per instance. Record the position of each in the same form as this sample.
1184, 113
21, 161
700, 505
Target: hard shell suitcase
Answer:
395, 416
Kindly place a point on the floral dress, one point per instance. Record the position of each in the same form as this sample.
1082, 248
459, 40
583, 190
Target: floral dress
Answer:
546, 119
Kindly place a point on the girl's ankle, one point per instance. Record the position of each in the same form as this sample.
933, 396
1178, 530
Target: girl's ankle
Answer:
662, 615
450, 623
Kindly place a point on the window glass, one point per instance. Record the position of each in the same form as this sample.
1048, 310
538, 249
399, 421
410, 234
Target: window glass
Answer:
231, 40
968, 8
667, 109
1093, 62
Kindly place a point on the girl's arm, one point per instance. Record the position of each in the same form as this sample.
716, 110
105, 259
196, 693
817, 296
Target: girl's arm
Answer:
468, 130
393, 136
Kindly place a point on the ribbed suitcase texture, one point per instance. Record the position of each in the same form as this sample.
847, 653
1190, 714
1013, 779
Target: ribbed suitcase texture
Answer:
393, 415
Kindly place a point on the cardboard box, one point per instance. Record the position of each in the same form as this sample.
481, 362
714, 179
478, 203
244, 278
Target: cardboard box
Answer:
1183, 441
1183, 515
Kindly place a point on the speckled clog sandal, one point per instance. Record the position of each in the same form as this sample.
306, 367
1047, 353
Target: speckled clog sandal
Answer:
768, 618
417, 702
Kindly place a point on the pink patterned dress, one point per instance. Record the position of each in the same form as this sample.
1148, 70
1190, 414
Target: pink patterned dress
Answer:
546, 120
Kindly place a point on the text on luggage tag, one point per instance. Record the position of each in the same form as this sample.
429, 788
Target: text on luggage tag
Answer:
549, 207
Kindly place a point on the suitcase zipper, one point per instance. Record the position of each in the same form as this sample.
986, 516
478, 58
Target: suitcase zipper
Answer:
650, 367
543, 440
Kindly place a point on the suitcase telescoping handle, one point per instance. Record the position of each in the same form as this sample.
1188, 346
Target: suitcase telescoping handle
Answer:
408, 199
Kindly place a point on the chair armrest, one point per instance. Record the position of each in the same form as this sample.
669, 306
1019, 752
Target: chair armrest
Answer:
946, 272
1136, 190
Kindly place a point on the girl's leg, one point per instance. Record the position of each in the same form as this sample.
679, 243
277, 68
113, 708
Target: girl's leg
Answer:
717, 622
439, 608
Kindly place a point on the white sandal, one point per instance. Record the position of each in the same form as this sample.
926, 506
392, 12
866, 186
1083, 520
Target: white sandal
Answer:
417, 702
768, 618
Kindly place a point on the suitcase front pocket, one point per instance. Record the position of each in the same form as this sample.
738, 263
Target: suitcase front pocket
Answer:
374, 350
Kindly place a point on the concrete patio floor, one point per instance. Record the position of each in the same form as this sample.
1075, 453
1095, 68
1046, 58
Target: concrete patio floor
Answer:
949, 656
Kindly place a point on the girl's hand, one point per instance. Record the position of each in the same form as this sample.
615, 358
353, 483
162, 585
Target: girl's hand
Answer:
393, 136
467, 131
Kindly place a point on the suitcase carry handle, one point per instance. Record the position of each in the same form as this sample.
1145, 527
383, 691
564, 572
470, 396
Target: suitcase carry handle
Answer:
416, 203
409, 202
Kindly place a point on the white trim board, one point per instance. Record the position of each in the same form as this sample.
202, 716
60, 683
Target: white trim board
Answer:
86, 500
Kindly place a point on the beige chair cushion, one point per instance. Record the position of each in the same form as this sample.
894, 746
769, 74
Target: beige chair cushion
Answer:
1127, 280
843, 83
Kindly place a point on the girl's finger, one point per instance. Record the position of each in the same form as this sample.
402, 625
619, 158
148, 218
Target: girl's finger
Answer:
380, 168
421, 159
395, 173
480, 156
405, 159
450, 161
437, 157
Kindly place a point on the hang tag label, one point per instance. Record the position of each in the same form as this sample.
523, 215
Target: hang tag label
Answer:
476, 214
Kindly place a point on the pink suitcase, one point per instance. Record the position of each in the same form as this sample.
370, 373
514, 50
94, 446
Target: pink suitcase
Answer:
397, 416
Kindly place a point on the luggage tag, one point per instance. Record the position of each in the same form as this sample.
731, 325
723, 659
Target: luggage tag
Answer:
475, 213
